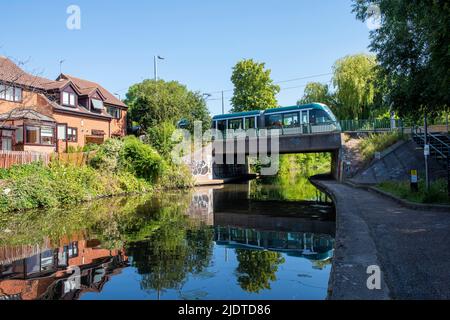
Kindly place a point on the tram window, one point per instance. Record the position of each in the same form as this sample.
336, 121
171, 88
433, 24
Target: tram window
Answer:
221, 125
319, 116
273, 121
235, 124
250, 123
290, 120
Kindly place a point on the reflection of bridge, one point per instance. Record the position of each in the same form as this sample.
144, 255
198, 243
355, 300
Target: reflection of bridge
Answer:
308, 245
229, 158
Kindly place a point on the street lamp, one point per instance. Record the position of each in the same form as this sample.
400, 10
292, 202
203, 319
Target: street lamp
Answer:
155, 62
117, 94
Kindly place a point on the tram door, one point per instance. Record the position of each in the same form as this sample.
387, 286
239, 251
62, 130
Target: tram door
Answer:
305, 121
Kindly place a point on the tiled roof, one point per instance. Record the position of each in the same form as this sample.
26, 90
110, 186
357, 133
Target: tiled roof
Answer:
25, 114
87, 87
10, 72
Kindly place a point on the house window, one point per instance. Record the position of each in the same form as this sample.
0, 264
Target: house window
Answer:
19, 135
47, 135
17, 94
32, 135
8, 93
97, 104
114, 112
7, 136
39, 135
62, 132
68, 99
72, 134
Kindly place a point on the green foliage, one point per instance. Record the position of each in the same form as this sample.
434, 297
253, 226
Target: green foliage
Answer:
129, 155
35, 185
292, 183
412, 47
155, 102
354, 79
253, 87
176, 177
437, 193
107, 156
74, 149
91, 147
316, 92
377, 143
257, 269
160, 138
140, 159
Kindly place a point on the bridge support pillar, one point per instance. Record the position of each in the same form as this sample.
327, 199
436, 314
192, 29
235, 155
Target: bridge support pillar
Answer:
337, 165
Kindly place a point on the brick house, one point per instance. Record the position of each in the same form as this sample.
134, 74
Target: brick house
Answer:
38, 114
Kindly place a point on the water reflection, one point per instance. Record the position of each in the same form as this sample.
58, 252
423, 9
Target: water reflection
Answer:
212, 243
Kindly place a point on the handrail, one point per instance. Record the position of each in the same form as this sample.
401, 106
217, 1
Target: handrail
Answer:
302, 129
434, 137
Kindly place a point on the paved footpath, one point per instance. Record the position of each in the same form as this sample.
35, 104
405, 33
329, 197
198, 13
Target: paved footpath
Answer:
412, 247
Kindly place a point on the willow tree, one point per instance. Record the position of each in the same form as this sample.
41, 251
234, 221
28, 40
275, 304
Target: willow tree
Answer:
315, 92
355, 79
253, 87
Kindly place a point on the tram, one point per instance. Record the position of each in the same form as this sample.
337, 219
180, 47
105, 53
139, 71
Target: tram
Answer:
303, 119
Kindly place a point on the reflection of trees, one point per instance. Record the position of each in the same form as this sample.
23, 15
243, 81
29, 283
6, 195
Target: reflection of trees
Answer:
174, 246
257, 268
292, 182
167, 256
321, 264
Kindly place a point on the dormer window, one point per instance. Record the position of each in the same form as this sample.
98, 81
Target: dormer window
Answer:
68, 99
97, 104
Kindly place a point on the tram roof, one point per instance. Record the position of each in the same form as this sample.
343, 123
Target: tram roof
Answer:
269, 111
294, 108
237, 115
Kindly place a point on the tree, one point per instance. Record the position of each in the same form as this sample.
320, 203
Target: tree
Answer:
316, 92
253, 87
355, 79
257, 269
155, 102
412, 47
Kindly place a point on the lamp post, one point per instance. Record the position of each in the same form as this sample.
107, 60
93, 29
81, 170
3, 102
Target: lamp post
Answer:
155, 63
118, 95
60, 65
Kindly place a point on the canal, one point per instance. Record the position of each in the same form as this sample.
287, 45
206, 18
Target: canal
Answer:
262, 239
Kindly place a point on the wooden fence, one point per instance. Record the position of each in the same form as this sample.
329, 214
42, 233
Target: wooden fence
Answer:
10, 158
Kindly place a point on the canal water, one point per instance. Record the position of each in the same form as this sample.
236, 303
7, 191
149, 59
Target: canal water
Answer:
263, 239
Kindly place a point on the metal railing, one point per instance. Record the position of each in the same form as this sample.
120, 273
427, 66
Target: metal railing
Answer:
439, 149
370, 125
303, 129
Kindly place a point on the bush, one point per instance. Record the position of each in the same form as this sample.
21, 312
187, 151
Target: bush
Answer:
176, 177
35, 186
436, 194
377, 143
108, 156
140, 159
160, 138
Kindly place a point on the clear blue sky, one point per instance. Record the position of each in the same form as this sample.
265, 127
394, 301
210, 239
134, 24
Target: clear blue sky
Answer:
201, 40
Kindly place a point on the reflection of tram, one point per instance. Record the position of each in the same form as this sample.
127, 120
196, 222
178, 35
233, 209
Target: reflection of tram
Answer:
318, 247
309, 118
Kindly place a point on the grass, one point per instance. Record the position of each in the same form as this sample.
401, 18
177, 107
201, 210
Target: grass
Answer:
377, 143
436, 195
